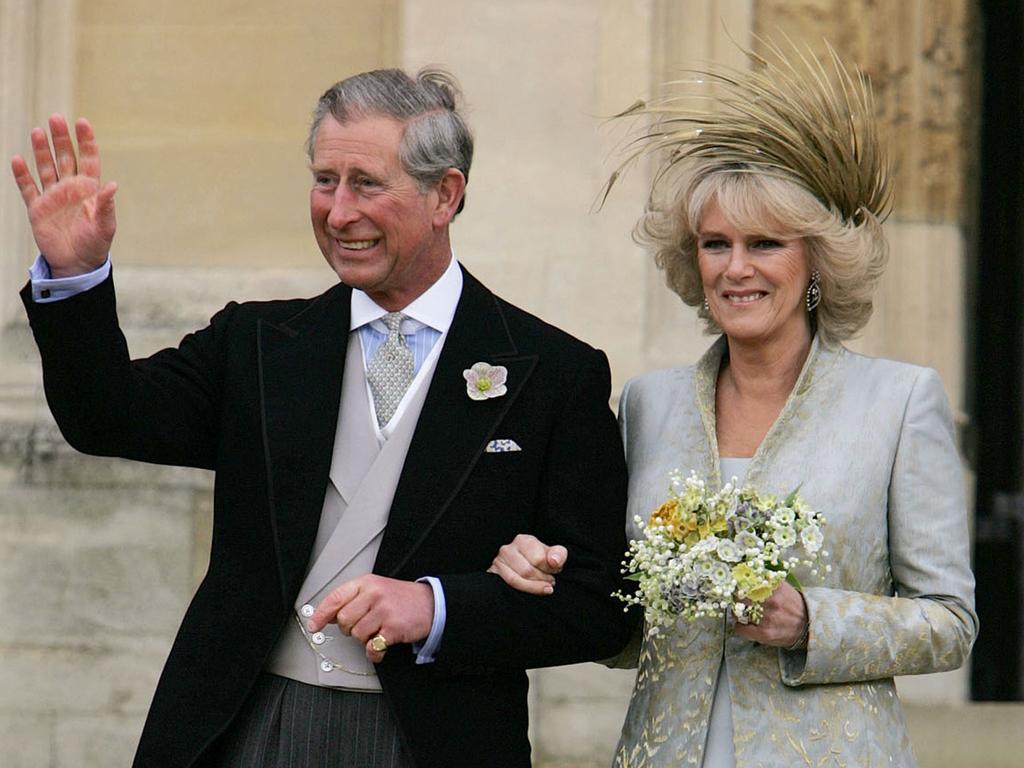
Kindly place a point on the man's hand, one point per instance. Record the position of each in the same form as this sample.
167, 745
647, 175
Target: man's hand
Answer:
400, 611
529, 565
72, 218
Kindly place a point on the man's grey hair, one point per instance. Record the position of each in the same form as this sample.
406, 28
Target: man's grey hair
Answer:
436, 136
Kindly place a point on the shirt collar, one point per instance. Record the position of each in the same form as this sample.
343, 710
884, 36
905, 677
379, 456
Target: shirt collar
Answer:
435, 307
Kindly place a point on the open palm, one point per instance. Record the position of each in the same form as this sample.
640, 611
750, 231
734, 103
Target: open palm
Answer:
72, 218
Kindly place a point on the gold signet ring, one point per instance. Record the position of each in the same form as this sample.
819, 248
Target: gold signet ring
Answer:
378, 643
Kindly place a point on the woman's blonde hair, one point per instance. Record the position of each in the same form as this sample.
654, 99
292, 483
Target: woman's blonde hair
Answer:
790, 148
848, 256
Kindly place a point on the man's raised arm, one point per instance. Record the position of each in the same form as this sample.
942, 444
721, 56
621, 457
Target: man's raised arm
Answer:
72, 217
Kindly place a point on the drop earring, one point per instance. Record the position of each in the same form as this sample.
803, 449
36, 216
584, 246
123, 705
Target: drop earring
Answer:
813, 292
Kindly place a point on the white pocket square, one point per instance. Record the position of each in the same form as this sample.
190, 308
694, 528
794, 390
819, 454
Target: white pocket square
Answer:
502, 446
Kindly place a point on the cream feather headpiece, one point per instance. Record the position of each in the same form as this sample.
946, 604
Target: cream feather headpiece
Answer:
791, 115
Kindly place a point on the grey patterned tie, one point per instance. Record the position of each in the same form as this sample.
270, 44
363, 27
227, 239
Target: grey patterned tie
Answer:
391, 371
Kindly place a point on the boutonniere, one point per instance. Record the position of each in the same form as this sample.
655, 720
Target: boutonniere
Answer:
484, 381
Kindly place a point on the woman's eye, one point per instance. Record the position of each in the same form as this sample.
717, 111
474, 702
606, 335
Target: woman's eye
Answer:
713, 244
767, 244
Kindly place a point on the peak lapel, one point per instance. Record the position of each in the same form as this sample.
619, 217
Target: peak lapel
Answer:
301, 363
452, 430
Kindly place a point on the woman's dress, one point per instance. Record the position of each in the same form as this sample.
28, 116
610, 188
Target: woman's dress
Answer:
719, 752
871, 444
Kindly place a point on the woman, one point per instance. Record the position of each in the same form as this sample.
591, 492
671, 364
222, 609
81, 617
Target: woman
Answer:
776, 240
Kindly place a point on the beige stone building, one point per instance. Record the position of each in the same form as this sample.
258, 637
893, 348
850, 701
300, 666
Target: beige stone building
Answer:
201, 109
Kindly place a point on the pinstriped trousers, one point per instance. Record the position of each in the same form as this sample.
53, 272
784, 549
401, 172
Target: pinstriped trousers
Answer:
288, 724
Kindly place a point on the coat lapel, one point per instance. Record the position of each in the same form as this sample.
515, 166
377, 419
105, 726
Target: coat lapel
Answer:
452, 430
301, 363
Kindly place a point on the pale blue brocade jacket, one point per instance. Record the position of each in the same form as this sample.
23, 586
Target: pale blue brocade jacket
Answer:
870, 442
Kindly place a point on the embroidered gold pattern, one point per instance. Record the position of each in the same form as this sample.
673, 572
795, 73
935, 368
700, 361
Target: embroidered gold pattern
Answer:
833, 704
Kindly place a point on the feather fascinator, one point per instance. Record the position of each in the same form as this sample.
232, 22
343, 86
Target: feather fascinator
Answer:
791, 115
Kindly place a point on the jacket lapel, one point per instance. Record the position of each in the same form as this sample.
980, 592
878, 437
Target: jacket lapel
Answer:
301, 363
820, 359
452, 430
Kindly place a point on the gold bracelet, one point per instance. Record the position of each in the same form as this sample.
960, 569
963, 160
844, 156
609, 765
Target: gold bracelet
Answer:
802, 640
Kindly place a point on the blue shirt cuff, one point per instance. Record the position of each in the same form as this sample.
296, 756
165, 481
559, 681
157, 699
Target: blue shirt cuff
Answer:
425, 651
46, 289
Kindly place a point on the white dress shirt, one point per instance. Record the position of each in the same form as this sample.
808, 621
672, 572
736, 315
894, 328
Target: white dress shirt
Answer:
428, 319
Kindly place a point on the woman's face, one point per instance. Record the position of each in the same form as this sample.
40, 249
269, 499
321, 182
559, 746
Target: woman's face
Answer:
755, 285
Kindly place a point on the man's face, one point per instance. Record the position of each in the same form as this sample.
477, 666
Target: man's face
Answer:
376, 229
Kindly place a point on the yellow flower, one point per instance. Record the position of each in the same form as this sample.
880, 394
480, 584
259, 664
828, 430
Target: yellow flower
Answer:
667, 515
706, 525
760, 594
743, 573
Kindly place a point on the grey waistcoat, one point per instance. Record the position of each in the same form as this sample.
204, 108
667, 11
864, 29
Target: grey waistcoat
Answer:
363, 478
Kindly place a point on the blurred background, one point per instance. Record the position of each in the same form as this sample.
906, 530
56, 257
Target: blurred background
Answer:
201, 109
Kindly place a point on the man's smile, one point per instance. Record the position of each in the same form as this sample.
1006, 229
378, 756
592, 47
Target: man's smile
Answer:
356, 245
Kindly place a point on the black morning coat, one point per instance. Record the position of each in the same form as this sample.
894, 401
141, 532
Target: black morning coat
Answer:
255, 396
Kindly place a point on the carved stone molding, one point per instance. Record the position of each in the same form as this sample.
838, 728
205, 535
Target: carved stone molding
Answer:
921, 58
37, 44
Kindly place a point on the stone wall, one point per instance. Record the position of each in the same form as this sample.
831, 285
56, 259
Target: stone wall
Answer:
201, 111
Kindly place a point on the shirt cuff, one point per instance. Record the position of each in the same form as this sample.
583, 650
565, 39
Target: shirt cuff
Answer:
425, 651
47, 289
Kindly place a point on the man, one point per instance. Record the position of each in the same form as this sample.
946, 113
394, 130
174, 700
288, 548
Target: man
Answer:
374, 446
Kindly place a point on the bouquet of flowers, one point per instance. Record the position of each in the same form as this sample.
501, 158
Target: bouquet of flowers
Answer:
705, 553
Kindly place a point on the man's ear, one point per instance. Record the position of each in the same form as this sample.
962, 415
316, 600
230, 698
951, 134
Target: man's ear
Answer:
450, 189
